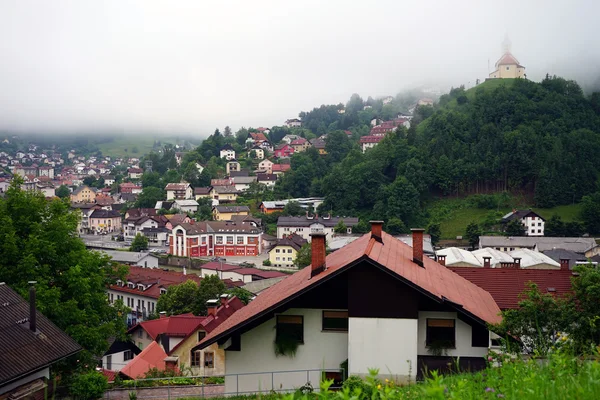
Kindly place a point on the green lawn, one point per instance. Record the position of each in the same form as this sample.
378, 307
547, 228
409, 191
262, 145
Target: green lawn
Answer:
455, 214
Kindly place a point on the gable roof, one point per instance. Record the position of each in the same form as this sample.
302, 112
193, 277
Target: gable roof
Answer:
507, 59
231, 209
152, 356
177, 186
175, 325
293, 240
390, 254
22, 351
541, 243
280, 167
266, 177
530, 258
506, 284
105, 214
202, 190
454, 255
520, 214
227, 147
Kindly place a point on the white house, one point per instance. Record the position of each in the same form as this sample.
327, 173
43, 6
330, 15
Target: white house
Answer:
266, 165
187, 205
293, 123
304, 226
145, 260
182, 191
119, 354
532, 222
344, 307
227, 152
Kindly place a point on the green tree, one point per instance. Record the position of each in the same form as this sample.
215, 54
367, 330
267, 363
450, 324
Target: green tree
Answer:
63, 192
304, 256
211, 287
395, 226
204, 212
149, 197
514, 228
179, 299
340, 227
293, 208
39, 242
227, 132
244, 295
435, 232
88, 386
139, 243
472, 234
590, 213
554, 227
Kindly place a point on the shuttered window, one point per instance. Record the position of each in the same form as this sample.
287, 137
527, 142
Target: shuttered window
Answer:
335, 321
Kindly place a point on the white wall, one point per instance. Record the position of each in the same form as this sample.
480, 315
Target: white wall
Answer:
117, 362
387, 344
463, 336
321, 350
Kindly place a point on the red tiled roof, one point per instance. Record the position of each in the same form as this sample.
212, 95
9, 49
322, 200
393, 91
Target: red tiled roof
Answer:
259, 272
371, 139
213, 265
258, 136
392, 254
280, 167
156, 278
506, 284
507, 59
175, 325
110, 375
152, 356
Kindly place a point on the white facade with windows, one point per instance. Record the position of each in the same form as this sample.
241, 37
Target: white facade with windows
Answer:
534, 225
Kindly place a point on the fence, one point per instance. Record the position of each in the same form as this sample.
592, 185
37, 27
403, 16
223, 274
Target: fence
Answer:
182, 387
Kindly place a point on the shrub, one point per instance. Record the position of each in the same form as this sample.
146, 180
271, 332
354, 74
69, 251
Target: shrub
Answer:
267, 263
88, 386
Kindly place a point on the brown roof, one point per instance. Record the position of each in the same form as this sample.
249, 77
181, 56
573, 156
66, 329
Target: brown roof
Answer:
392, 254
154, 279
177, 186
507, 59
202, 190
22, 351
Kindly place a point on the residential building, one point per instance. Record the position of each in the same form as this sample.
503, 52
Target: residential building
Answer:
4, 184
256, 152
179, 191
308, 203
335, 312
128, 187
119, 354
267, 179
242, 183
293, 123
510, 243
109, 180
232, 166
285, 251
86, 210
532, 222
224, 194
300, 145
105, 221
304, 226
280, 169
46, 171
265, 166
83, 194
508, 67
132, 258
177, 335
135, 173
142, 288
572, 257
186, 206
29, 345
225, 213
202, 192
227, 152
283, 151
289, 138
248, 275
368, 142
319, 144
215, 238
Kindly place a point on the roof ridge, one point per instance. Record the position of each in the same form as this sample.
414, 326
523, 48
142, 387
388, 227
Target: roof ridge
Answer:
370, 246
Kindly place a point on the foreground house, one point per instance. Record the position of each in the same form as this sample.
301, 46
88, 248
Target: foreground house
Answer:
29, 345
376, 303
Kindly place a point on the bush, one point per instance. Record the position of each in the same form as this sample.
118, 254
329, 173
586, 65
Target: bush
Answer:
88, 386
267, 263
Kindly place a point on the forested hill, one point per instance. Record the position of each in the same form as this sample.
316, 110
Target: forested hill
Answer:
503, 135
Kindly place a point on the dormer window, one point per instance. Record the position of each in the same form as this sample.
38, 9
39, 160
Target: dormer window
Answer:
163, 290
131, 285
141, 287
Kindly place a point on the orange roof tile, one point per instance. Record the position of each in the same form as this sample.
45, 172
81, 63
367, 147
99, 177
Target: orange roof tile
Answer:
151, 357
433, 278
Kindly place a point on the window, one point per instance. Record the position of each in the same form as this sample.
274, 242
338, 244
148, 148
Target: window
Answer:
507, 68
539, 224
109, 362
440, 331
141, 345
290, 326
539, 231
128, 355
201, 335
209, 360
240, 240
219, 239
195, 358
289, 250
229, 239
289, 258
335, 321
276, 258
140, 333
276, 250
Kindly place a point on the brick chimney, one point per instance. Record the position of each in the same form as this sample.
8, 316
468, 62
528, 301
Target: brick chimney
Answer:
32, 313
318, 251
486, 262
564, 264
417, 242
517, 262
224, 297
211, 307
442, 259
376, 230
163, 314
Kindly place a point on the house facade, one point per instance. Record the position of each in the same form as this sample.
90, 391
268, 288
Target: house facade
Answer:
508, 67
215, 238
334, 312
227, 152
265, 165
285, 251
532, 222
83, 194
226, 213
304, 226
179, 191
135, 173
105, 221
283, 151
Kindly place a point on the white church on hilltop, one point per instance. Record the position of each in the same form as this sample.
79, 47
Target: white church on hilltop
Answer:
508, 66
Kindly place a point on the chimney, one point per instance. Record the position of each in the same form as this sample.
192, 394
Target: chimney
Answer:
317, 245
224, 298
376, 230
517, 262
564, 264
442, 259
417, 242
163, 314
211, 307
486, 262
32, 314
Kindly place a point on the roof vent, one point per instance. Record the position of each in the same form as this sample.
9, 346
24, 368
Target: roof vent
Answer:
551, 289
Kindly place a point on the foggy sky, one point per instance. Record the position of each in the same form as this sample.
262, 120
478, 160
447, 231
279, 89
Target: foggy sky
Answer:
191, 66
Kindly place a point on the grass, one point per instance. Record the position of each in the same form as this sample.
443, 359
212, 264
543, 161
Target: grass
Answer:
455, 214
